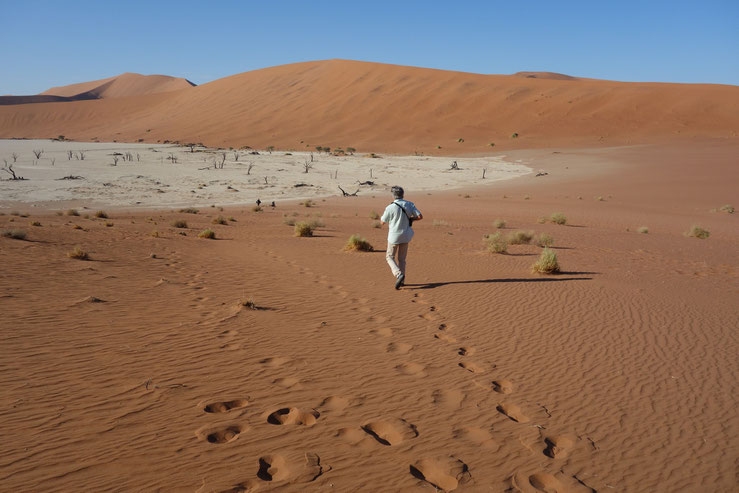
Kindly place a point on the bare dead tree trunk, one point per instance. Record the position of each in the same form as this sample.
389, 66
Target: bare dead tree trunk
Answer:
249, 167
37, 153
69, 155
307, 166
14, 156
483, 173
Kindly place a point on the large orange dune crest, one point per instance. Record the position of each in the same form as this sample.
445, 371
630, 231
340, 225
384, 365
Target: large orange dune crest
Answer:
390, 108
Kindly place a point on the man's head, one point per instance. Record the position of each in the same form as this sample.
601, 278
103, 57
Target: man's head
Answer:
397, 192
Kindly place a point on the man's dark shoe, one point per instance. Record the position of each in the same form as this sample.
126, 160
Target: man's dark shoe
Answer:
399, 282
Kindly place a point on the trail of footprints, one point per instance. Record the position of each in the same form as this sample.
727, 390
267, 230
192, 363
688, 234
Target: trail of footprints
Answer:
444, 473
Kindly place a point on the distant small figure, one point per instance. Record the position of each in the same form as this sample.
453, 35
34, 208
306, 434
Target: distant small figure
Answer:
259, 202
455, 165
273, 203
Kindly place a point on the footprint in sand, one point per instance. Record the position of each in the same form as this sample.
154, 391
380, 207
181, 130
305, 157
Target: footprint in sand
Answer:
287, 382
547, 483
513, 412
334, 404
352, 436
293, 416
445, 337
222, 434
392, 431
471, 367
398, 348
226, 406
503, 386
274, 362
450, 399
558, 446
383, 331
295, 468
478, 436
466, 351
228, 334
413, 369
445, 473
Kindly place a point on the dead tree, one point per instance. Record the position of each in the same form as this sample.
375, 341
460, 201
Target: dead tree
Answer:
349, 194
191, 146
454, 166
69, 155
14, 156
82, 155
265, 181
307, 165
222, 163
115, 160
236, 156
249, 167
9, 169
138, 157
53, 161
37, 153
129, 157
483, 173
172, 158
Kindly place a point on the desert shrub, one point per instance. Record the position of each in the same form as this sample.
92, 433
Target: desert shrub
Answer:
316, 223
527, 197
16, 234
59, 213
86, 216
108, 224
600, 199
77, 226
78, 253
376, 224
289, 221
179, 223
495, 243
303, 229
35, 223
249, 303
72, 212
643, 230
558, 218
547, 263
189, 210
542, 220
374, 215
256, 208
154, 234
520, 237
728, 208
101, 215
308, 203
220, 220
544, 240
358, 243
207, 234
698, 232
232, 219
499, 224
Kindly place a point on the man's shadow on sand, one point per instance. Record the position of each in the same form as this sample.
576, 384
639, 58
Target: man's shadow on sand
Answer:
557, 278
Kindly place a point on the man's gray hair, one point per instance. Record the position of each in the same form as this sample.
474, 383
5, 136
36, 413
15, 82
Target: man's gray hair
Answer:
398, 192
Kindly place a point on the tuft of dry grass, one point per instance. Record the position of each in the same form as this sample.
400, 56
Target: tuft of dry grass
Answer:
72, 212
249, 303
288, 220
189, 210
101, 215
179, 223
698, 232
308, 203
35, 223
303, 229
520, 237
15, 234
499, 224
542, 220
374, 215
495, 243
358, 243
108, 224
441, 222
220, 220
376, 224
78, 253
727, 208
232, 219
208, 234
558, 218
547, 263
256, 208
544, 240
643, 230
316, 223
155, 234
77, 226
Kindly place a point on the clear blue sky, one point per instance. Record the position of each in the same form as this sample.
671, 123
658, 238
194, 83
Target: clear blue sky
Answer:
50, 43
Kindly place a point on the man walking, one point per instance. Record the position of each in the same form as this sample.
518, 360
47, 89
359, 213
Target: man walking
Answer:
399, 216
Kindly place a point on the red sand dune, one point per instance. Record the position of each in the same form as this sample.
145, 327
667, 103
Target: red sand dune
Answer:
122, 86
389, 108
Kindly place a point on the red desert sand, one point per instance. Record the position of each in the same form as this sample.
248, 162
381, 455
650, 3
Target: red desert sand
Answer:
262, 361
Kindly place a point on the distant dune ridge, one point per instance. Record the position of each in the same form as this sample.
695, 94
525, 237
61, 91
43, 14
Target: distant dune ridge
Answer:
120, 86
381, 108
